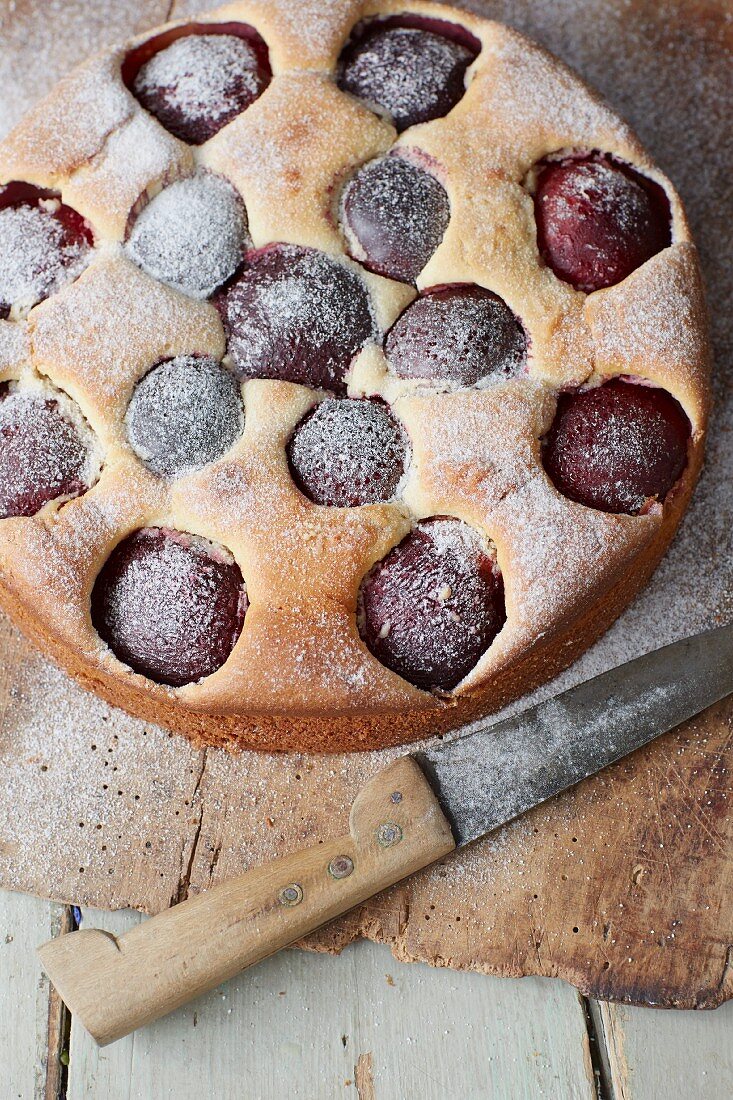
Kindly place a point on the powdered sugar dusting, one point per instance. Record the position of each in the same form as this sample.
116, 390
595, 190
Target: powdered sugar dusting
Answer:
193, 235
555, 557
433, 605
48, 452
649, 326
474, 448
75, 779
410, 75
169, 605
619, 447
122, 840
309, 649
309, 324
394, 215
112, 325
461, 336
199, 82
306, 33
65, 131
534, 92
14, 348
138, 158
37, 256
348, 453
296, 314
603, 187
63, 550
184, 414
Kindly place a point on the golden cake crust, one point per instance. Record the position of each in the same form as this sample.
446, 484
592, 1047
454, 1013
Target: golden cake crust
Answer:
300, 677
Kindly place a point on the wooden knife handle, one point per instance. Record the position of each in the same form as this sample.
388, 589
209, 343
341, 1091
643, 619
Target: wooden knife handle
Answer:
116, 984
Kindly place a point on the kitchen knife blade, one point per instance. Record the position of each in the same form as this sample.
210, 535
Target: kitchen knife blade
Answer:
415, 811
498, 771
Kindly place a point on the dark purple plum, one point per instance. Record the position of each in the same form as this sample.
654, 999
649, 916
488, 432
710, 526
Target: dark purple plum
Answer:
198, 82
169, 605
597, 220
192, 235
348, 452
617, 447
433, 606
394, 216
43, 245
410, 73
297, 315
42, 455
457, 334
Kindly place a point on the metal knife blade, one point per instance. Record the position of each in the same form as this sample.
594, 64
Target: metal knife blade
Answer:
497, 772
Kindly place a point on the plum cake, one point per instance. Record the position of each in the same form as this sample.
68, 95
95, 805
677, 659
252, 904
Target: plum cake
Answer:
353, 371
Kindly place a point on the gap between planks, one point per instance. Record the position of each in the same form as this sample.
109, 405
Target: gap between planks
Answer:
58, 1036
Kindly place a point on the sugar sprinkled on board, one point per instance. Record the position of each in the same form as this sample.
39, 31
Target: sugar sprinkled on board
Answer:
76, 767
43, 39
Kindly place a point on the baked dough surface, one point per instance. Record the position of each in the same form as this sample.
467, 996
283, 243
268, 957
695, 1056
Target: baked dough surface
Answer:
299, 677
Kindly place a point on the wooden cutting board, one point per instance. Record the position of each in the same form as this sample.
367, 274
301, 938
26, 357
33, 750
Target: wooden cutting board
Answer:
623, 886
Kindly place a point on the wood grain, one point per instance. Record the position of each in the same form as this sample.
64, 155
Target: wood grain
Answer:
299, 1025
430, 1034
624, 886
30, 1052
688, 1055
117, 984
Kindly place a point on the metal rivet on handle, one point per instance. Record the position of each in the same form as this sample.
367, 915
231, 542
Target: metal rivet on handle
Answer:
340, 867
389, 834
290, 895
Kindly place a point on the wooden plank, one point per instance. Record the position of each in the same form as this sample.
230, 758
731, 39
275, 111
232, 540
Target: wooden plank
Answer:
675, 1054
26, 1009
300, 1024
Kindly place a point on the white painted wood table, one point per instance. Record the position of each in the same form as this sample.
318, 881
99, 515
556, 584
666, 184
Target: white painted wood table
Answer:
361, 1025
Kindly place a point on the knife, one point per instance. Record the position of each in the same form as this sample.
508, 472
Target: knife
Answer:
412, 813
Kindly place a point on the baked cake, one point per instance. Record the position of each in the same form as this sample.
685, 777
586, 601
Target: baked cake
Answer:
353, 371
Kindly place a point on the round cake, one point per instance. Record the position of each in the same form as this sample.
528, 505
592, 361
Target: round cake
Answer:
353, 372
